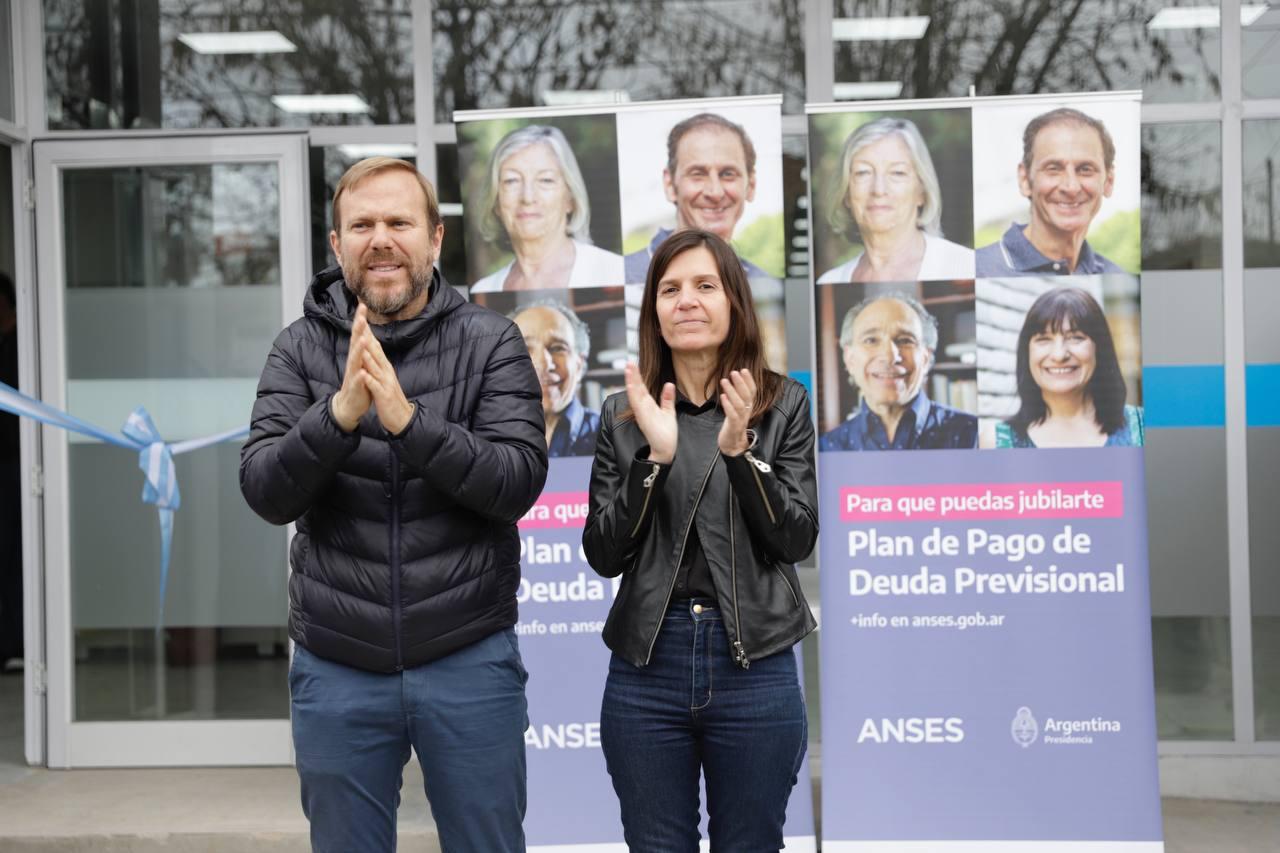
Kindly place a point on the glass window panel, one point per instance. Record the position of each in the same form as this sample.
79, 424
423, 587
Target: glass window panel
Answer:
1264, 545
227, 63
531, 53
6, 211
1261, 51
1261, 184
1182, 196
172, 301
926, 49
6, 64
795, 201
1262, 355
453, 253
1190, 601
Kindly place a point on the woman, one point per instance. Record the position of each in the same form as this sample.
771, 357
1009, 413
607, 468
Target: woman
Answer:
1070, 387
535, 200
702, 498
888, 199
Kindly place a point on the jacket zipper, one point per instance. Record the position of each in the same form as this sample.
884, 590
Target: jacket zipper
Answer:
756, 467
739, 653
648, 491
395, 553
679, 559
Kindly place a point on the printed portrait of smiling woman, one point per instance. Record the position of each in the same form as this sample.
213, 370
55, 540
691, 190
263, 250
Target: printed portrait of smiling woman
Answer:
535, 200
1071, 391
888, 198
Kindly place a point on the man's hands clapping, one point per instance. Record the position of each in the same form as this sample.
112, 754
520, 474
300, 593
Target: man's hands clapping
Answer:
369, 380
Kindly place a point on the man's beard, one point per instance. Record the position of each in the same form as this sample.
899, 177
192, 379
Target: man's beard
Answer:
388, 303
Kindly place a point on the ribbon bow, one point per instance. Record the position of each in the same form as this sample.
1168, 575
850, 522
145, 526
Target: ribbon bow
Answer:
155, 458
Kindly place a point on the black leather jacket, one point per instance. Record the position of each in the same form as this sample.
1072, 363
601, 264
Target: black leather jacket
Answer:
756, 515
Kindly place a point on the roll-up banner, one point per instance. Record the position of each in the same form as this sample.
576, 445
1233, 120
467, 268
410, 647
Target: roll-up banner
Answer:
986, 646
563, 208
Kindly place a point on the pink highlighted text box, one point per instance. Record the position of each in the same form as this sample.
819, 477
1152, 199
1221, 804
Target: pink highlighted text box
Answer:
976, 501
556, 509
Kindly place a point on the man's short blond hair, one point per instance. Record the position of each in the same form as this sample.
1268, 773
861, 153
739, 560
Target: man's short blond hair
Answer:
376, 165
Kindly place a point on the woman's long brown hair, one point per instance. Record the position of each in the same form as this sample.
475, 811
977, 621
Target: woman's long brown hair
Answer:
741, 349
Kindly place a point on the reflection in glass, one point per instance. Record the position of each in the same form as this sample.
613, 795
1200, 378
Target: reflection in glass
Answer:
1182, 196
172, 301
1261, 185
1192, 659
6, 211
173, 63
1261, 56
453, 252
1019, 48
1264, 588
6, 64
795, 204
527, 54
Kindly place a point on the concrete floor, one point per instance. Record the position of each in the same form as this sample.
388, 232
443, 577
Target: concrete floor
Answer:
238, 810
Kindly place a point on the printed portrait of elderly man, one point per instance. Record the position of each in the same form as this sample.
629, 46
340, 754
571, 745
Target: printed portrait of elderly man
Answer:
559, 344
1067, 170
887, 343
710, 177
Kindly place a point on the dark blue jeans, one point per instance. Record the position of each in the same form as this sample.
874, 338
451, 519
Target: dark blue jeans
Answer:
692, 709
465, 715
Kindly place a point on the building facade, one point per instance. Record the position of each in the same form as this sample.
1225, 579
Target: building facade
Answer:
166, 168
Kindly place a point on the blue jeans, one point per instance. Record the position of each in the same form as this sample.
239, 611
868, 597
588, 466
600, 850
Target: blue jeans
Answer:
464, 714
692, 709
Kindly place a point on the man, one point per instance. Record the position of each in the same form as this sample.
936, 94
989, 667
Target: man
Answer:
400, 427
888, 342
710, 176
559, 344
1067, 169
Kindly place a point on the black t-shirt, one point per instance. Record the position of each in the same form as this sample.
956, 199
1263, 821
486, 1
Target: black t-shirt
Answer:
693, 580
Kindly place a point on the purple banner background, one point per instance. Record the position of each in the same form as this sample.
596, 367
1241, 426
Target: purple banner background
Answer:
571, 799
1065, 656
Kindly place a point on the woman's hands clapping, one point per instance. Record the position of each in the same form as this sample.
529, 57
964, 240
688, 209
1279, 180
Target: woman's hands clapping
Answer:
737, 399
657, 421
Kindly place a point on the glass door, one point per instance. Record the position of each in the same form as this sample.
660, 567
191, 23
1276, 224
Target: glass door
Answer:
166, 266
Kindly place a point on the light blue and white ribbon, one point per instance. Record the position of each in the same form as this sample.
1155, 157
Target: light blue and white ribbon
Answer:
155, 458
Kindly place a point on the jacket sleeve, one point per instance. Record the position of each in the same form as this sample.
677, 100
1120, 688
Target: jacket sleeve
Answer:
295, 447
779, 496
623, 499
498, 466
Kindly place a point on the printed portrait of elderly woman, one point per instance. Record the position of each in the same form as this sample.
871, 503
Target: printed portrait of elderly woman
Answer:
1071, 390
534, 199
887, 197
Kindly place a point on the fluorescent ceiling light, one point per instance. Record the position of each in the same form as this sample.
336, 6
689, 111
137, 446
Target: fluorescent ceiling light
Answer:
879, 29
321, 103
361, 150
868, 91
262, 41
1200, 17
576, 97
450, 208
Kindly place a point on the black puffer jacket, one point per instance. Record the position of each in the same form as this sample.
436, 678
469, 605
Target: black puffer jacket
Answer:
756, 514
407, 546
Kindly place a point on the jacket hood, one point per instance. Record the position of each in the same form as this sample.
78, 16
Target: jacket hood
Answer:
330, 300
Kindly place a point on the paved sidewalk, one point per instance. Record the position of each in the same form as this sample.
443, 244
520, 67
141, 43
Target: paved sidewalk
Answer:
244, 810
